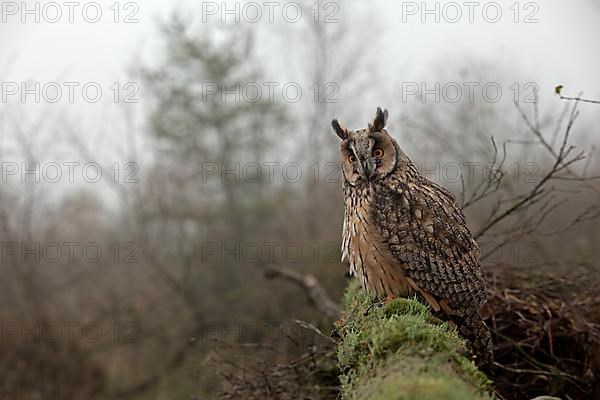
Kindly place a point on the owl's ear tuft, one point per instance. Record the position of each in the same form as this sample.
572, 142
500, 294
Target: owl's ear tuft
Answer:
339, 129
379, 121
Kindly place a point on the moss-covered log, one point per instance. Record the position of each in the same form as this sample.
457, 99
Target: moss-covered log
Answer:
399, 350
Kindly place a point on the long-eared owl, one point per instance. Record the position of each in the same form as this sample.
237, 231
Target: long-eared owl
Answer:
404, 235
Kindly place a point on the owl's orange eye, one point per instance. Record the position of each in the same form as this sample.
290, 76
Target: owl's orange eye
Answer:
378, 153
351, 158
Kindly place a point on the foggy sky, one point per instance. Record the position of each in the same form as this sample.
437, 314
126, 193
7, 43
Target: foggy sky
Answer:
561, 48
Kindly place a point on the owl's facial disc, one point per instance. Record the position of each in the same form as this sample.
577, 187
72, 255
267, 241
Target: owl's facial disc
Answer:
367, 157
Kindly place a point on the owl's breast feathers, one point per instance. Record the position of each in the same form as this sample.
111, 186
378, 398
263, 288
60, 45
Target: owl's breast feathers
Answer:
365, 251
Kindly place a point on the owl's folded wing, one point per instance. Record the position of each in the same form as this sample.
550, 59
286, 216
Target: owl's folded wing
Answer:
426, 232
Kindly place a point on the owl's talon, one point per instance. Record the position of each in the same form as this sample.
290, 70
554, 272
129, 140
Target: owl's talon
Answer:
368, 309
378, 304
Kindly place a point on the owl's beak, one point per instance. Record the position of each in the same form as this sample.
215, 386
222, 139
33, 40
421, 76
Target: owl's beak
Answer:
368, 168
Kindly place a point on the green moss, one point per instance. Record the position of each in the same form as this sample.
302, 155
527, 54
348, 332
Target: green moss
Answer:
411, 378
400, 351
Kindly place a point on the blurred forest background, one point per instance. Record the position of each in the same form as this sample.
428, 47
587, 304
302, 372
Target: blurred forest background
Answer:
185, 294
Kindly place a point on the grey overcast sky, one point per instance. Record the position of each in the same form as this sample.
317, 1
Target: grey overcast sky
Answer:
561, 45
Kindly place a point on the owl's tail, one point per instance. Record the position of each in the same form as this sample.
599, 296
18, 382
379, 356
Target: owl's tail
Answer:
477, 333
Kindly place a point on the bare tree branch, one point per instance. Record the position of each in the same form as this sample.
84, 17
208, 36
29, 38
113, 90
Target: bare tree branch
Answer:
315, 292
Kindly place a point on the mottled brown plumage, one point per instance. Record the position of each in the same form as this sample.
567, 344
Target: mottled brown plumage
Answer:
405, 235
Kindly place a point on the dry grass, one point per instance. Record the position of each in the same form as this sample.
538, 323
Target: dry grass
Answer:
546, 333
